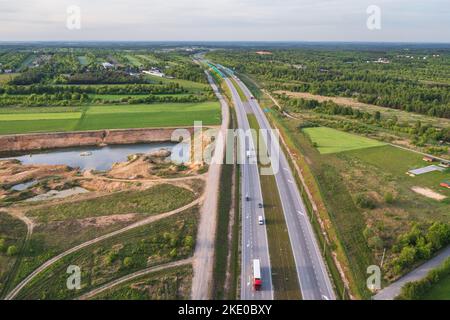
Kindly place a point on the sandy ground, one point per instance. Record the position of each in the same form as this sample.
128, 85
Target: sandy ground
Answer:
204, 249
428, 193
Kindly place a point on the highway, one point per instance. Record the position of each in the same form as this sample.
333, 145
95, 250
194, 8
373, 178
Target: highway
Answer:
315, 283
254, 236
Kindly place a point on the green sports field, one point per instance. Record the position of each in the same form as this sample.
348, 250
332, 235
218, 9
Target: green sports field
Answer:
29, 120
330, 140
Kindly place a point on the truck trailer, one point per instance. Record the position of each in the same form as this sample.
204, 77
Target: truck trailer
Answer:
257, 275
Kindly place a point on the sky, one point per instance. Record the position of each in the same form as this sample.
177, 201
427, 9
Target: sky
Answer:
225, 20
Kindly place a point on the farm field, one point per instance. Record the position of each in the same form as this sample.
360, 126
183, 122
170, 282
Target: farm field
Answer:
170, 284
5, 77
190, 85
329, 140
110, 117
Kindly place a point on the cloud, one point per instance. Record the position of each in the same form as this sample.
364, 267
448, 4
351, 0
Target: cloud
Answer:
407, 20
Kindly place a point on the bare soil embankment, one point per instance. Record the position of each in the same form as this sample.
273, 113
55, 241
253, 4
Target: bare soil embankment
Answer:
43, 141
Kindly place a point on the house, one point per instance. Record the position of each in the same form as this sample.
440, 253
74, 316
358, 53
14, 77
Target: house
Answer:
107, 65
428, 159
154, 72
445, 184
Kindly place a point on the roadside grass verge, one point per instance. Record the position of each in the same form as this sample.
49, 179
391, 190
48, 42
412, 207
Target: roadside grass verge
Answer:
284, 272
158, 243
170, 284
239, 90
222, 240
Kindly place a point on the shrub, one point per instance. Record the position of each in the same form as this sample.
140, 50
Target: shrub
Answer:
375, 242
389, 198
365, 202
416, 290
12, 251
2, 245
173, 253
128, 262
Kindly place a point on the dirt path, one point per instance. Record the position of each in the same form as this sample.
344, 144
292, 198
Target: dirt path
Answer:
89, 175
132, 276
55, 259
206, 236
278, 105
19, 214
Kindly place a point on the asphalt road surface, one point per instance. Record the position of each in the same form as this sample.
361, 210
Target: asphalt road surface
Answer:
312, 273
254, 235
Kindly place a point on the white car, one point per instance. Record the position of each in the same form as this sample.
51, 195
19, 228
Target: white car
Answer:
260, 220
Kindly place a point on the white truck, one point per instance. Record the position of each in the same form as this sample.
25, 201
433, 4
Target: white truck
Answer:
257, 275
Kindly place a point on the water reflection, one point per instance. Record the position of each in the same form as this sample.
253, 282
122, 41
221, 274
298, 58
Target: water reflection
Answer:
101, 158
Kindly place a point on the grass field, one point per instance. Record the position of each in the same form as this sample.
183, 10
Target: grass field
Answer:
63, 226
161, 242
12, 233
332, 141
40, 116
239, 90
5, 77
24, 120
134, 60
439, 291
190, 85
83, 60
170, 284
158, 199
397, 162
284, 273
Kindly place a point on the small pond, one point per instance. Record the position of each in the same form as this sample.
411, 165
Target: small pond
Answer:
99, 158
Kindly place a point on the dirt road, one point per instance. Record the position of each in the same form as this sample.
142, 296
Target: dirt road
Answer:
204, 249
132, 276
55, 259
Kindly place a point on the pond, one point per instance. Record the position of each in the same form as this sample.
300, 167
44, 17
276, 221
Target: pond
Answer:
24, 186
101, 158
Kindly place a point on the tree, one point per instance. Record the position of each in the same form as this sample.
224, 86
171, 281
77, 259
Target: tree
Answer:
12, 251
173, 253
188, 241
438, 235
2, 244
